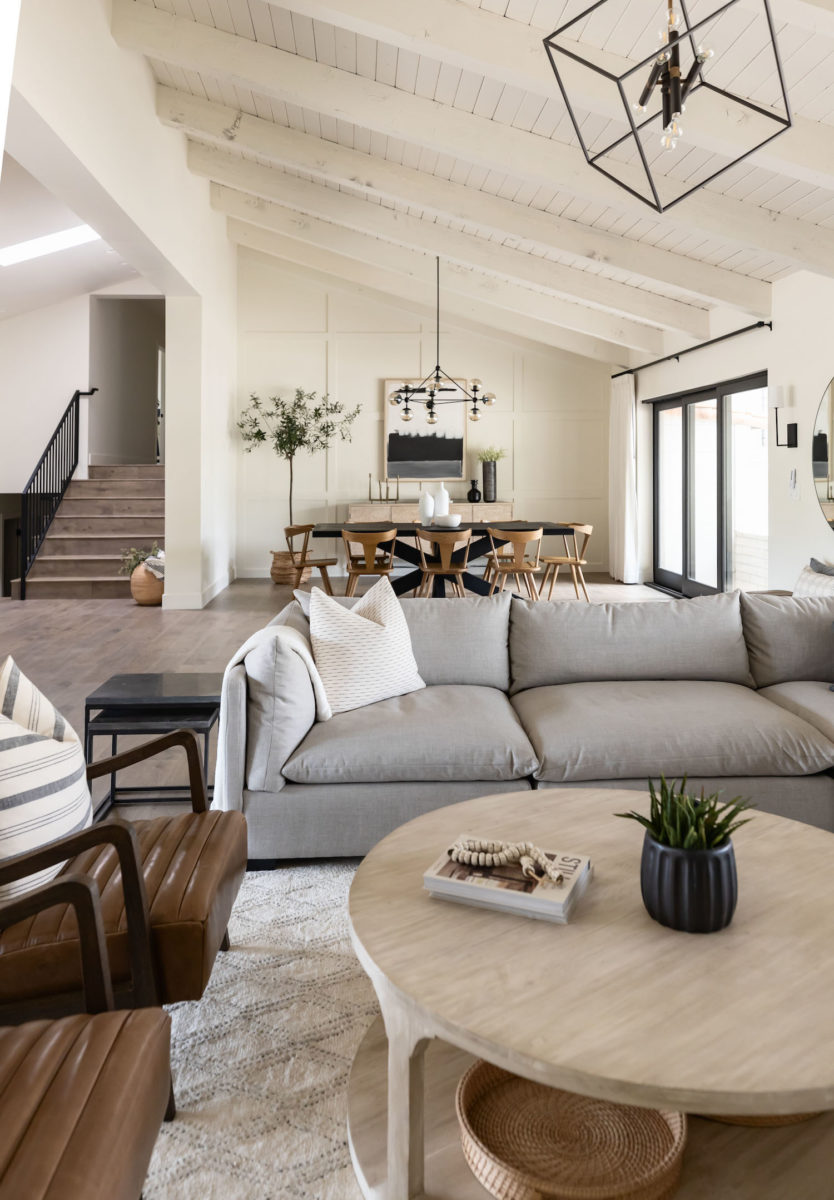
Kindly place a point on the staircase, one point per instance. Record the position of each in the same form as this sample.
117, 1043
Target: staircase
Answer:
98, 518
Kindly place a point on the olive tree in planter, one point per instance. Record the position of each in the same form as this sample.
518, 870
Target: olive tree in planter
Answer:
305, 423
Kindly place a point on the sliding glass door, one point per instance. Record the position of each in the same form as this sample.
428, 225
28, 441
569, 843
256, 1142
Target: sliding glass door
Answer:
710, 488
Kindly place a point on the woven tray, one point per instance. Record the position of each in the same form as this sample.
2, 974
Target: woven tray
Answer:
525, 1141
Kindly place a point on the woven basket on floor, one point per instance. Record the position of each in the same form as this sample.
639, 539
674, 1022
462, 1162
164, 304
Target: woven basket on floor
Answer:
525, 1141
284, 570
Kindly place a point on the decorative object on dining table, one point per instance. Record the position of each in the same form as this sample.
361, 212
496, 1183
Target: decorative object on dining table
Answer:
474, 494
441, 500
146, 569
438, 390
488, 457
688, 874
523, 1140
449, 521
303, 423
513, 877
425, 506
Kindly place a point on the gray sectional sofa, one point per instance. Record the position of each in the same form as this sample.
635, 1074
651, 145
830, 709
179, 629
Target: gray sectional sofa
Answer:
731, 689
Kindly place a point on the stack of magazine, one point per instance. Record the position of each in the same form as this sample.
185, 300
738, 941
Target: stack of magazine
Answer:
508, 889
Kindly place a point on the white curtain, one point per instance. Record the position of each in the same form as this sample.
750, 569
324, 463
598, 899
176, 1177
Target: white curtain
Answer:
623, 562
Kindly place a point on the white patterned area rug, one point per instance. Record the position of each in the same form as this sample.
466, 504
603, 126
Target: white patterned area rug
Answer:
261, 1062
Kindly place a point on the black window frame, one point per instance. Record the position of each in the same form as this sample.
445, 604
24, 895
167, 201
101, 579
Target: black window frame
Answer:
682, 584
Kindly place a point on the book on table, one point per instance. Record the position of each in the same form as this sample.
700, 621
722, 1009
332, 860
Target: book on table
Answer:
506, 888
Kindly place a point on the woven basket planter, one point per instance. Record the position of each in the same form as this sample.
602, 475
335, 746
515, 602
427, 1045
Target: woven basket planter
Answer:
525, 1141
145, 588
284, 571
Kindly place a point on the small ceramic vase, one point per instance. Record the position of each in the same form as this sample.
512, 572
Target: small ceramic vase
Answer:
473, 495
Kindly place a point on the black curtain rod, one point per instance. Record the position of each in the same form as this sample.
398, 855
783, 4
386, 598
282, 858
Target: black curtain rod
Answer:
701, 346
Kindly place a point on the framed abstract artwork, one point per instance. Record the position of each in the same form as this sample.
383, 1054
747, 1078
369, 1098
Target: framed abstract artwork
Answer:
415, 451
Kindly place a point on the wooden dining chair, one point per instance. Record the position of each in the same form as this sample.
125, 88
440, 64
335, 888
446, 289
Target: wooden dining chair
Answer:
376, 556
301, 558
521, 562
442, 546
575, 560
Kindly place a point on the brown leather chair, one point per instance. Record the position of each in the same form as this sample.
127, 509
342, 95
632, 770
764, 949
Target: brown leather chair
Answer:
169, 883
81, 1098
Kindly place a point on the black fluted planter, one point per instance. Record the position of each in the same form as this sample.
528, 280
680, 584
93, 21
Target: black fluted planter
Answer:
489, 481
692, 890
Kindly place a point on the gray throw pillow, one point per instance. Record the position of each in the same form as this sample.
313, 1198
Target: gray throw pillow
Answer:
822, 568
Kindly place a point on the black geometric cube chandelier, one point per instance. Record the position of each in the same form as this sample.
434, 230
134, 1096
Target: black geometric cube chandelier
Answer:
439, 388
649, 98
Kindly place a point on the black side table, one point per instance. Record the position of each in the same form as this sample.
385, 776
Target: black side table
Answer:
148, 705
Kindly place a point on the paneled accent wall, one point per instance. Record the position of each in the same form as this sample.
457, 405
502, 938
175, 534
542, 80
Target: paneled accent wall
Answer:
551, 415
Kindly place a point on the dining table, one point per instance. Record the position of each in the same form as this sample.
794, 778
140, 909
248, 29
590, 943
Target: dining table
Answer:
406, 550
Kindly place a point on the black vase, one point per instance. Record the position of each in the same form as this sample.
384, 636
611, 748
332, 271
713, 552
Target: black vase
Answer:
489, 482
473, 495
691, 890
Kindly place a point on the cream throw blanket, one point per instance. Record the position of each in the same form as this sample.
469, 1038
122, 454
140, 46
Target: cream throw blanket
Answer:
293, 641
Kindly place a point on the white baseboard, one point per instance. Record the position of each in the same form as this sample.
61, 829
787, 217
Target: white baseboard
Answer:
214, 589
182, 600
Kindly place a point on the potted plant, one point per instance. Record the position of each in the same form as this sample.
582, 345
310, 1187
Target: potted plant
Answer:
145, 587
488, 457
688, 868
289, 426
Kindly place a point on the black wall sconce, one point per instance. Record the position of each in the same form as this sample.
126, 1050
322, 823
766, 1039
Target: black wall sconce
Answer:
783, 398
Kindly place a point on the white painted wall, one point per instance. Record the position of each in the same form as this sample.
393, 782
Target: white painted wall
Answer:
126, 175
125, 338
44, 358
9, 17
799, 358
551, 415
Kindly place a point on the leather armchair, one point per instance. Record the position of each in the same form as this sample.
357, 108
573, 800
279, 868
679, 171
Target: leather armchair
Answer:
167, 884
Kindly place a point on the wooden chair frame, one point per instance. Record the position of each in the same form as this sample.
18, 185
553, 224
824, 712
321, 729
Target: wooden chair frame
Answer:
144, 990
575, 562
300, 559
447, 542
513, 559
376, 557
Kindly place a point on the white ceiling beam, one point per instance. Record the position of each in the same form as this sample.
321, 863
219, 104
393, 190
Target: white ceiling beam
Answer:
447, 130
465, 249
421, 291
512, 52
458, 280
440, 197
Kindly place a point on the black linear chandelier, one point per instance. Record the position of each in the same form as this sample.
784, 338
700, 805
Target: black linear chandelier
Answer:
439, 388
666, 79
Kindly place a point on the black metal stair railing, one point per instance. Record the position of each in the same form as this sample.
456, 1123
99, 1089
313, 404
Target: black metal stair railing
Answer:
45, 490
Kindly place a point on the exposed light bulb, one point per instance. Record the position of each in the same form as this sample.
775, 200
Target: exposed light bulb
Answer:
393, 397
704, 53
638, 107
489, 399
667, 142
407, 414
474, 415
476, 383
674, 129
673, 18
431, 419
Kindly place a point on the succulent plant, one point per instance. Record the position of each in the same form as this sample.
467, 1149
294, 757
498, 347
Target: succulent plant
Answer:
690, 822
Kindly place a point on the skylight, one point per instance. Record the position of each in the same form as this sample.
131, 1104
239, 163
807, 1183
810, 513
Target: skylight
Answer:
51, 243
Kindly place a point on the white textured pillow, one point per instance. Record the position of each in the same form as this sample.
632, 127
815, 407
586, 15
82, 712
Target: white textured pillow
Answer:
363, 654
43, 776
813, 583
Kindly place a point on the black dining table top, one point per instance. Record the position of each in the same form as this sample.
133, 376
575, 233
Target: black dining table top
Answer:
406, 528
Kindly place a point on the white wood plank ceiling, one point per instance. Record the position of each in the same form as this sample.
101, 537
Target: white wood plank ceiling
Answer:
362, 137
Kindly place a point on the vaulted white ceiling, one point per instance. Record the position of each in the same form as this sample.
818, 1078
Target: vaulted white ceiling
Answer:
363, 137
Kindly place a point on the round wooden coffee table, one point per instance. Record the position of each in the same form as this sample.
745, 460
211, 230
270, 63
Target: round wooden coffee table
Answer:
612, 1005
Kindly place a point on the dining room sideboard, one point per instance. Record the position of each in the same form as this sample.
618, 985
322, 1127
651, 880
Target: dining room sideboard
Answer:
408, 510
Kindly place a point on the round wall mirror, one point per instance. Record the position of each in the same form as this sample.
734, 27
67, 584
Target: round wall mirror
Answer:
822, 454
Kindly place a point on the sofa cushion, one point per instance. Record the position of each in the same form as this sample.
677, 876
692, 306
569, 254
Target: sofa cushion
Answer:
812, 701
364, 654
461, 640
789, 637
812, 582
281, 707
447, 732
687, 727
679, 639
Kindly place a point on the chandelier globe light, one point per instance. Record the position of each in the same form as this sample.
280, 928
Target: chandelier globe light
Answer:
698, 65
438, 388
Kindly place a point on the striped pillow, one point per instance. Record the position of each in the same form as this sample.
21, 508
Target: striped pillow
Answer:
43, 781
